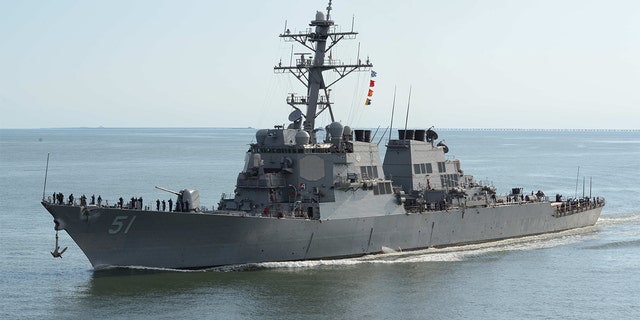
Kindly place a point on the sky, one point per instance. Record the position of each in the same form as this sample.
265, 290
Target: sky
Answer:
544, 64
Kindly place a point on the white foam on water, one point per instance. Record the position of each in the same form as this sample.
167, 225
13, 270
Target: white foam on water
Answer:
609, 220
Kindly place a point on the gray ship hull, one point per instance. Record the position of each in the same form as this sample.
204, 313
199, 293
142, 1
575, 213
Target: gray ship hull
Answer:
120, 237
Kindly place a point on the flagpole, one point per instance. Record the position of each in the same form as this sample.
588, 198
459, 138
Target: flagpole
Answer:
46, 172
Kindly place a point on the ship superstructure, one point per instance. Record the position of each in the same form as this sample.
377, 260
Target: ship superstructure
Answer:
288, 172
302, 196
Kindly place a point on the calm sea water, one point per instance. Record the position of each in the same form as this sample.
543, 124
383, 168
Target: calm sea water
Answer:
592, 273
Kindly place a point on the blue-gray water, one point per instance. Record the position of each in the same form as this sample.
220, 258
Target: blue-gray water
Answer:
593, 273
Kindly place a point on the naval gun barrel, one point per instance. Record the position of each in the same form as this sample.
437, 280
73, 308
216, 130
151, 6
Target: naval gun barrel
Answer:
170, 191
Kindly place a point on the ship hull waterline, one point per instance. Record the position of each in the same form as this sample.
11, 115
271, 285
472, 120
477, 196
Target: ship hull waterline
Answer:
111, 237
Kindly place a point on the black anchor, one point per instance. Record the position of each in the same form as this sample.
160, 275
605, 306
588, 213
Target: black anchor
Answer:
56, 253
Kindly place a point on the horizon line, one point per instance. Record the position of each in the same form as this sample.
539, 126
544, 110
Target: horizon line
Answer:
239, 128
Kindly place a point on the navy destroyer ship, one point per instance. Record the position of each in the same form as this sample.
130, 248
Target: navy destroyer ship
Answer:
302, 195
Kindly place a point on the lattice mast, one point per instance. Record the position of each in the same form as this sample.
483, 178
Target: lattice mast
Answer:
308, 70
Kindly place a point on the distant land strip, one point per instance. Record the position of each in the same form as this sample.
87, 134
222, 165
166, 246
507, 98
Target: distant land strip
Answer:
521, 129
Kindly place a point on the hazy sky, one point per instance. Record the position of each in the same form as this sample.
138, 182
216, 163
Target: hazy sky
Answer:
476, 64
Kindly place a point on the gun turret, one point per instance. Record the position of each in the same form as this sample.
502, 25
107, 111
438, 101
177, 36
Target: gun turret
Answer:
170, 191
188, 200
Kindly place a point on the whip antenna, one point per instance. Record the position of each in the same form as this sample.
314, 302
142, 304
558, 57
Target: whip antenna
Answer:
406, 120
393, 110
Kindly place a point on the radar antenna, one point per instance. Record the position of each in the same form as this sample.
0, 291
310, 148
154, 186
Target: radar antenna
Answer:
319, 39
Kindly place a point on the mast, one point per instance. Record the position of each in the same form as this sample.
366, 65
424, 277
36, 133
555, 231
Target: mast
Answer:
319, 39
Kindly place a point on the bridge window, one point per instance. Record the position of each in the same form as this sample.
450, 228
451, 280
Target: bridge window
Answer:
429, 169
382, 188
449, 180
419, 168
369, 172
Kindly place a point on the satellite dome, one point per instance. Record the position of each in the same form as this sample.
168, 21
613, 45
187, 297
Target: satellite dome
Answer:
347, 131
336, 129
302, 137
261, 135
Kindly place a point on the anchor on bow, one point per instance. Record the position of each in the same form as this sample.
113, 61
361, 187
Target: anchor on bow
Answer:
56, 253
